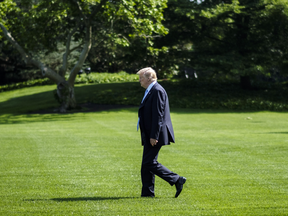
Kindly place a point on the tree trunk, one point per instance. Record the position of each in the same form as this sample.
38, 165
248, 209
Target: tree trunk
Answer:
66, 97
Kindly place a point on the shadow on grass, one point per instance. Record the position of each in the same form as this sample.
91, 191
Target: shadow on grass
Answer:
52, 117
30, 118
111, 93
76, 199
39, 107
277, 133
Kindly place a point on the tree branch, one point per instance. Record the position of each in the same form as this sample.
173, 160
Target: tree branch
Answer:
63, 69
88, 40
124, 38
83, 55
46, 71
14, 43
76, 47
148, 36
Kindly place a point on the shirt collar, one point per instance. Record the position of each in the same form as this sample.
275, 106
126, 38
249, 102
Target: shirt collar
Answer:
150, 86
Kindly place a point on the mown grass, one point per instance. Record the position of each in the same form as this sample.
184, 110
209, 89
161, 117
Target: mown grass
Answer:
89, 163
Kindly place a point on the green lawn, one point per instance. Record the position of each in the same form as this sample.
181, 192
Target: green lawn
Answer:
89, 163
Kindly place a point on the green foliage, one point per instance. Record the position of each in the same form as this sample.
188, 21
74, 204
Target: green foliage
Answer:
173, 51
122, 46
6, 7
51, 24
240, 37
106, 78
224, 37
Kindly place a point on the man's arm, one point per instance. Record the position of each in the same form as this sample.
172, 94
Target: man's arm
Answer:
158, 107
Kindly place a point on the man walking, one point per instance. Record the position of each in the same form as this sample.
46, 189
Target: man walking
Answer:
156, 130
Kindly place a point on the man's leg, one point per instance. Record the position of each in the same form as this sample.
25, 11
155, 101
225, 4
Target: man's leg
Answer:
147, 177
148, 181
150, 166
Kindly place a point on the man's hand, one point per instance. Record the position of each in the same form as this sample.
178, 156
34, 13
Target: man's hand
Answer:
153, 141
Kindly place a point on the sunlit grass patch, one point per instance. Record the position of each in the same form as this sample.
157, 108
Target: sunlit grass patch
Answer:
89, 164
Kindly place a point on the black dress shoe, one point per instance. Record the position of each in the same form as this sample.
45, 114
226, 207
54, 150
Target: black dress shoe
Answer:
179, 185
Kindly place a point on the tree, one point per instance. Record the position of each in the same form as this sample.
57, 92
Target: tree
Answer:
174, 50
33, 26
241, 38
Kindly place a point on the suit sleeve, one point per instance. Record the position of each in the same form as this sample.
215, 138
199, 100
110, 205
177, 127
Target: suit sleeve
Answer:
158, 108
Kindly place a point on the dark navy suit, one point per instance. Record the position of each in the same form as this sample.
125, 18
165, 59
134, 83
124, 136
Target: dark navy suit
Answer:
155, 122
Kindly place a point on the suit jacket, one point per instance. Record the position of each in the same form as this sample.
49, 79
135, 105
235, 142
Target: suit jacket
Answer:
154, 113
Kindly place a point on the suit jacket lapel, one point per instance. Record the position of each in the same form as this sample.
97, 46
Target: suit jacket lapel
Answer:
149, 93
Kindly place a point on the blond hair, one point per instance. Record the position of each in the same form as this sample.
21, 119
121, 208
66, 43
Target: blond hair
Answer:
148, 72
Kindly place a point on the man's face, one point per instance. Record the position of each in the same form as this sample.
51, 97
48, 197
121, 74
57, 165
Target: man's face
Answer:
145, 82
